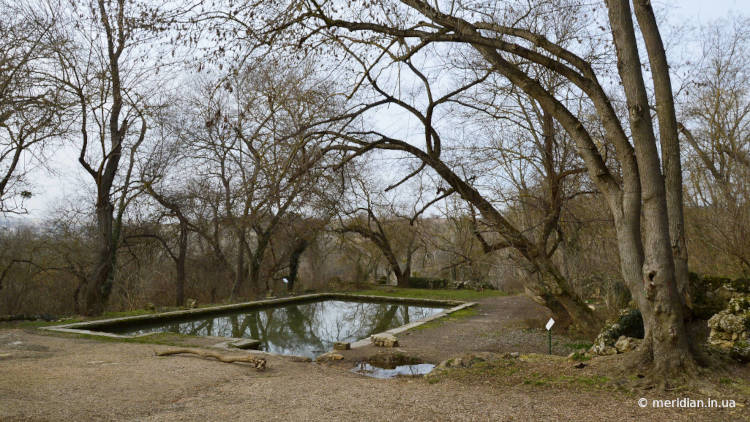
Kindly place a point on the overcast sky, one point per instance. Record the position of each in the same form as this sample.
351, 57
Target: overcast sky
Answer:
50, 190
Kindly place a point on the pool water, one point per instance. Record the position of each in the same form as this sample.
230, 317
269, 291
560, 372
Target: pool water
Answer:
303, 329
419, 369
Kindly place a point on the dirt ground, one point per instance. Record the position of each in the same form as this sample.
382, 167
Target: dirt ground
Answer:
54, 377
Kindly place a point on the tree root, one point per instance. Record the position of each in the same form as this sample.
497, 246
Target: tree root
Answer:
684, 374
257, 363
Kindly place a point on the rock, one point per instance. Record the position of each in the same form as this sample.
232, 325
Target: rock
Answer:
329, 357
191, 303
340, 345
629, 324
731, 323
608, 351
721, 344
730, 328
451, 363
246, 344
466, 361
738, 305
740, 350
384, 340
720, 335
626, 344
713, 322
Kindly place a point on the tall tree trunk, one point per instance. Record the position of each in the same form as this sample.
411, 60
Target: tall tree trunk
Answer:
402, 278
665, 343
239, 272
256, 259
254, 272
294, 258
180, 264
554, 289
98, 288
670, 144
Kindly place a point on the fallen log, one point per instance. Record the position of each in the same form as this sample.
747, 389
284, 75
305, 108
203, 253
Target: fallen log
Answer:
257, 363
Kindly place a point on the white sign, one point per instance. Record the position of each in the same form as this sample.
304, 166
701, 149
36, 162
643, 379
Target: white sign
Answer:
550, 323
285, 280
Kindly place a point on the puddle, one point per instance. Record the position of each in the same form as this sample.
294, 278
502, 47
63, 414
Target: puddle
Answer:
365, 368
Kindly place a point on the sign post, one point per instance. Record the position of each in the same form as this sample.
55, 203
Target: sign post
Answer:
549, 325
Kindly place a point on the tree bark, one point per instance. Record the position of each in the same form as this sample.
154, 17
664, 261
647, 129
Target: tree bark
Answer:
553, 288
96, 291
294, 259
670, 144
665, 342
257, 363
239, 272
180, 264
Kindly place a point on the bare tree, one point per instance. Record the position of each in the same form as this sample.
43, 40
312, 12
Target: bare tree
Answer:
384, 223
31, 109
716, 126
110, 112
252, 144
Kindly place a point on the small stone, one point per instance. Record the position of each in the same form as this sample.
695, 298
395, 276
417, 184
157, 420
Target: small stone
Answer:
246, 344
626, 344
384, 340
607, 351
514, 354
328, 357
341, 345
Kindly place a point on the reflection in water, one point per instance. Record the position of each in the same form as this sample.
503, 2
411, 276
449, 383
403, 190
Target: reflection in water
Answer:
306, 329
365, 368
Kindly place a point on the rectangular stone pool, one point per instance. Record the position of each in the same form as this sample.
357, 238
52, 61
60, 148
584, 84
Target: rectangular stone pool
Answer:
305, 329
303, 326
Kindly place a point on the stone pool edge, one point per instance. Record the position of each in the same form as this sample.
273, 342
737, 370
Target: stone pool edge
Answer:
87, 326
398, 330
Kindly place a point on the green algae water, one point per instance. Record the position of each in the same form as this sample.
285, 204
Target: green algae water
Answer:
303, 329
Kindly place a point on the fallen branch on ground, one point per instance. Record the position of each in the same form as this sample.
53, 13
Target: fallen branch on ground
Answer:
257, 363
